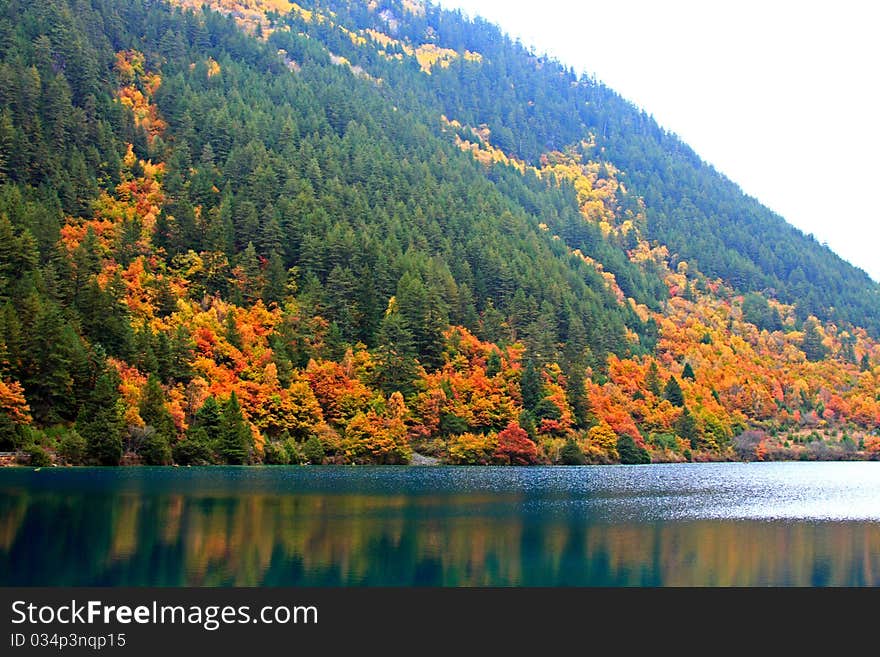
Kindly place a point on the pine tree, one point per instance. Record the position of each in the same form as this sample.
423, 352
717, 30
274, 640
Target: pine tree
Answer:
688, 372
541, 338
166, 300
181, 353
156, 449
576, 395
231, 333
395, 355
275, 288
208, 418
673, 392
812, 343
686, 427
493, 327
47, 353
253, 282
426, 315
530, 386
493, 364
652, 379
8, 252
101, 423
235, 439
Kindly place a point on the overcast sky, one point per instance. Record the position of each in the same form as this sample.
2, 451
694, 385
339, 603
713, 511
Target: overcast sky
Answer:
782, 97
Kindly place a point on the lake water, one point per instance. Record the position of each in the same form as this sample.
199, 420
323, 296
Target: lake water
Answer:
729, 524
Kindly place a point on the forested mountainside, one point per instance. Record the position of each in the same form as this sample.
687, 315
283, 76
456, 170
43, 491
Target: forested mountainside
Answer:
339, 232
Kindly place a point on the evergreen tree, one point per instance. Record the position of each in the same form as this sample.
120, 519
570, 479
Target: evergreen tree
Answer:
208, 418
275, 288
395, 355
530, 386
252, 282
686, 427
576, 394
673, 392
156, 449
235, 440
493, 364
572, 454
652, 379
812, 343
230, 325
630, 453
195, 449
426, 317
688, 372
101, 422
47, 353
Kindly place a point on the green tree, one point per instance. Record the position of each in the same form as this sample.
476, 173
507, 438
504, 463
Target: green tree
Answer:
395, 355
493, 364
160, 434
235, 440
253, 281
686, 427
313, 450
426, 315
652, 379
195, 449
673, 392
630, 453
572, 454
101, 422
208, 418
72, 448
688, 372
812, 342
530, 386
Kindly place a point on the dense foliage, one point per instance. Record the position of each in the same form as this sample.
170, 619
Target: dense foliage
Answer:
266, 232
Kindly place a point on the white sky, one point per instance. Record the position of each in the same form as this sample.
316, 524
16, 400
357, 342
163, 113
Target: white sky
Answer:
781, 97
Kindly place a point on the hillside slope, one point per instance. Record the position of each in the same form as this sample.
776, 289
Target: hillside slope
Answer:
268, 232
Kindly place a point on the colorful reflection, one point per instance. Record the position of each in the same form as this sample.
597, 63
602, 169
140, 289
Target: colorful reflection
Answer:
140, 532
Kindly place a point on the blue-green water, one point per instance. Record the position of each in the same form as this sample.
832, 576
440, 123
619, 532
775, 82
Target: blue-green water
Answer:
777, 524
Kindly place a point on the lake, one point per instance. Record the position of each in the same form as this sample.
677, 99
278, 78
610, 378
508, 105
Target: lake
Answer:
725, 524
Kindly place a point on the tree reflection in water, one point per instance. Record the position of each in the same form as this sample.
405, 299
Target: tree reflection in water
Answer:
150, 536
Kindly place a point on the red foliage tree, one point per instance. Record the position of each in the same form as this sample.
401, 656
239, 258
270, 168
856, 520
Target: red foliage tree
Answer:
515, 447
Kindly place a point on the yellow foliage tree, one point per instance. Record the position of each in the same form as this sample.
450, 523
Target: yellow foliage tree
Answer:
603, 437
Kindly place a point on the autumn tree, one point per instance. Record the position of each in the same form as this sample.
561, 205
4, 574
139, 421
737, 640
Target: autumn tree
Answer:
14, 414
472, 449
371, 438
604, 437
514, 447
